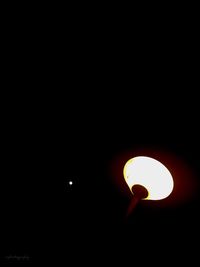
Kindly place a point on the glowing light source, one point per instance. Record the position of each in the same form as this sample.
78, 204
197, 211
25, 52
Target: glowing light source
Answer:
151, 174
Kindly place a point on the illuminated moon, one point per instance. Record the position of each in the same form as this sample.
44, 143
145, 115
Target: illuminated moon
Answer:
151, 174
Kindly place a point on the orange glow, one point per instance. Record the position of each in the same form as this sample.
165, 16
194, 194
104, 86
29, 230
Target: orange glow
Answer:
151, 174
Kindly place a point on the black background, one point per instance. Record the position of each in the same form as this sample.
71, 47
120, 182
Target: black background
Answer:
75, 101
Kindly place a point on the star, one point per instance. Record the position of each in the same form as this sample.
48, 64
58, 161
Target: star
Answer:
70, 183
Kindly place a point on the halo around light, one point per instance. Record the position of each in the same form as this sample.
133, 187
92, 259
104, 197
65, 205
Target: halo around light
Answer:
151, 174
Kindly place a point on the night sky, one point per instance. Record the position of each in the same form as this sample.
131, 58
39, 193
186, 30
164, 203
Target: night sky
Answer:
65, 198
68, 129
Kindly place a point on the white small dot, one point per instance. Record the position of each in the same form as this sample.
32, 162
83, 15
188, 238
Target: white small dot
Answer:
70, 183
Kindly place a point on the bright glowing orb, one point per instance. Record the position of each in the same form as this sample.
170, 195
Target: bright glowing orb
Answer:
151, 174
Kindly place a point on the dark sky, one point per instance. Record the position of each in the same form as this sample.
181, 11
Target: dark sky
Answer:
76, 115
47, 219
